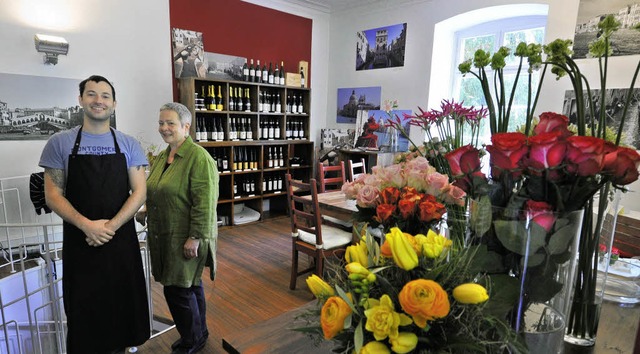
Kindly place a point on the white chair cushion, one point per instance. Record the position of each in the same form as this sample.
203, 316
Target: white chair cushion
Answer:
331, 236
347, 224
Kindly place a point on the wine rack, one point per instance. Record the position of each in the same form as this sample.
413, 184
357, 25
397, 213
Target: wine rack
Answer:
257, 133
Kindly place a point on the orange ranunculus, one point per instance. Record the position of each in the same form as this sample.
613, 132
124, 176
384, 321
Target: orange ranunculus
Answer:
384, 212
332, 316
407, 208
424, 300
389, 195
430, 211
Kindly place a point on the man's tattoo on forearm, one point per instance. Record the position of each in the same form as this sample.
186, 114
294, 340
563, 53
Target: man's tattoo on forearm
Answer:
57, 177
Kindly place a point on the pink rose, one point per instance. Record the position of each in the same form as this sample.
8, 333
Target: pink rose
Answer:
350, 189
553, 122
546, 151
585, 155
367, 196
455, 195
540, 213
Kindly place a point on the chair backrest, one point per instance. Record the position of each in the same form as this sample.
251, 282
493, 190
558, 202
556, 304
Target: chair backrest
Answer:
304, 211
356, 169
331, 177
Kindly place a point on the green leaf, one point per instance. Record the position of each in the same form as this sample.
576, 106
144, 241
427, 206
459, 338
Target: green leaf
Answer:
358, 337
503, 296
486, 261
560, 240
535, 259
513, 236
481, 215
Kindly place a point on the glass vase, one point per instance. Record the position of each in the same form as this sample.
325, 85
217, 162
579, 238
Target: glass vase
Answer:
530, 255
596, 242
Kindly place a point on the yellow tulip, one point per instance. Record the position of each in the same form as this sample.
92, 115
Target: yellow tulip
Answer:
375, 348
433, 244
357, 268
470, 293
358, 253
402, 250
319, 287
404, 343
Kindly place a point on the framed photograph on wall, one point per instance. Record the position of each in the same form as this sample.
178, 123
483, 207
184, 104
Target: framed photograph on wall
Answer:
36, 107
625, 41
615, 99
380, 48
188, 53
350, 100
224, 67
372, 132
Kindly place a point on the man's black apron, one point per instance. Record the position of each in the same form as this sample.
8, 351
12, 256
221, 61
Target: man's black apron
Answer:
104, 290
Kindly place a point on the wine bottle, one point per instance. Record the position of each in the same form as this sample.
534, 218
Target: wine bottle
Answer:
252, 72
278, 103
272, 103
294, 105
219, 104
276, 129
254, 160
276, 75
220, 131
300, 129
271, 130
280, 157
247, 104
270, 74
265, 74
245, 72
294, 129
211, 99
243, 133
302, 78
213, 134
203, 132
287, 133
232, 102
270, 184
264, 184
281, 76
239, 102
264, 133
269, 158
258, 77
236, 159
198, 130
249, 129
235, 187
245, 160
225, 161
300, 108
279, 186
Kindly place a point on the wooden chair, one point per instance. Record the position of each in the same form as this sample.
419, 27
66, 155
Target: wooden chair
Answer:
308, 234
356, 169
627, 234
331, 177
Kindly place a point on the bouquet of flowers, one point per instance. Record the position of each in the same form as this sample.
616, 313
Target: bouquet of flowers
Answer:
412, 294
411, 195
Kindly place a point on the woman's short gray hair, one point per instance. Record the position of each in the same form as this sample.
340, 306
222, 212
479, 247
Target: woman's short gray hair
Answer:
183, 112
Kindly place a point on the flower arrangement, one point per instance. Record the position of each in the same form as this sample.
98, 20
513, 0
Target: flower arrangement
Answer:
410, 195
412, 294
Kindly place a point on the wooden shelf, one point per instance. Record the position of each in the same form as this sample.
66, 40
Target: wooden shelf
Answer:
299, 148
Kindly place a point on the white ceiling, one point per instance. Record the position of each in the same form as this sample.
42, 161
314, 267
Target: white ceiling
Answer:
329, 6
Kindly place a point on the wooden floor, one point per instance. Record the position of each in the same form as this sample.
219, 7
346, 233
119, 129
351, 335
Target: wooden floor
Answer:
252, 284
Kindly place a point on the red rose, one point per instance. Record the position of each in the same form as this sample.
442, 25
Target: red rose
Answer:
553, 122
407, 208
507, 151
410, 193
430, 211
384, 212
621, 163
389, 195
585, 155
540, 213
546, 151
463, 160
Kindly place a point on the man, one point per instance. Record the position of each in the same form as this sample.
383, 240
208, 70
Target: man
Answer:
95, 181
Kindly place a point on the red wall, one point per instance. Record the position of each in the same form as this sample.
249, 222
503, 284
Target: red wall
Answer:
238, 28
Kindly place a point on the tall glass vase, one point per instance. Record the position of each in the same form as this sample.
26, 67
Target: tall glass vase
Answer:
596, 242
530, 254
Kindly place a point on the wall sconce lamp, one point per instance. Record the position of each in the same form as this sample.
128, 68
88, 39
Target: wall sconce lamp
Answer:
51, 46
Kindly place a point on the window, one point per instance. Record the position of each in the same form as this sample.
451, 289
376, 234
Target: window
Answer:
489, 37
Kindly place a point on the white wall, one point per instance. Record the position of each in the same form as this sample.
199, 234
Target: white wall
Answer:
128, 42
422, 81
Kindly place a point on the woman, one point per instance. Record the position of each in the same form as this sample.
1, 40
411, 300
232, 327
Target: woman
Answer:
182, 193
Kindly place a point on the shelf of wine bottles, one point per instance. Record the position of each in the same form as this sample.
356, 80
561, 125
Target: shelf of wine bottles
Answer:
257, 132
